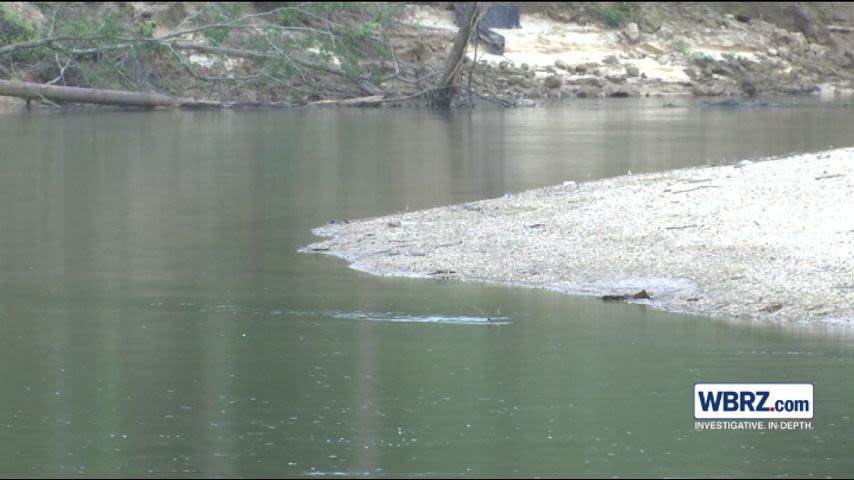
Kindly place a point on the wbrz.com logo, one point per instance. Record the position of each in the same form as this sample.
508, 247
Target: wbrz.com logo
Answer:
774, 401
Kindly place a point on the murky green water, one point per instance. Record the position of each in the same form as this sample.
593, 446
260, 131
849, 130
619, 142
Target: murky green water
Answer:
156, 320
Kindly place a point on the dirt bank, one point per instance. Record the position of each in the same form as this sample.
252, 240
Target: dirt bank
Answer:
770, 240
566, 50
563, 50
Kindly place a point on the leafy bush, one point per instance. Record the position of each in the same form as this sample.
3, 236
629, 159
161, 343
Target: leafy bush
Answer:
14, 29
292, 44
614, 15
681, 47
702, 58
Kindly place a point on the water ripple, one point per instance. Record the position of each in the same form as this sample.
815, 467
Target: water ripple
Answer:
401, 317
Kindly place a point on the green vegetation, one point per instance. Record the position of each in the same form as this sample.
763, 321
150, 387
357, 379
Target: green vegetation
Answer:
13, 28
614, 15
701, 57
681, 47
16, 29
285, 50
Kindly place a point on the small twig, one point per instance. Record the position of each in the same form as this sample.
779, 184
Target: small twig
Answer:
236, 23
281, 82
285, 57
188, 19
52, 22
61, 75
442, 272
498, 101
119, 71
695, 188
407, 97
49, 102
393, 56
473, 65
682, 227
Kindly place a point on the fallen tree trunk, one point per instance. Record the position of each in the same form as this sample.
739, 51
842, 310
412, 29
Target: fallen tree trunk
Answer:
371, 101
38, 91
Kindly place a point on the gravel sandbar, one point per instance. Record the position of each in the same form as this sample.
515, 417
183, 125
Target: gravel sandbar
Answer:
770, 240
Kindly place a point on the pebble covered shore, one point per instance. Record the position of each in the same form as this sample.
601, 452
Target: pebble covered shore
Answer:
770, 240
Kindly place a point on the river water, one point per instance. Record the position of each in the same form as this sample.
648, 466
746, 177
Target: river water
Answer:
156, 319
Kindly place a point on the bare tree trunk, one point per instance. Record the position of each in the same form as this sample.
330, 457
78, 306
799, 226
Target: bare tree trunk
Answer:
448, 84
37, 91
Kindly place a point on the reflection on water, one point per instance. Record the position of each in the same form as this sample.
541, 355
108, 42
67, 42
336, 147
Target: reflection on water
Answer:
157, 320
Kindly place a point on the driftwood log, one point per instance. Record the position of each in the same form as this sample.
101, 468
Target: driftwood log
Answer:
53, 93
642, 295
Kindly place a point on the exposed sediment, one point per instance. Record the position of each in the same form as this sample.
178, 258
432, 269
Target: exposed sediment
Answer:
771, 240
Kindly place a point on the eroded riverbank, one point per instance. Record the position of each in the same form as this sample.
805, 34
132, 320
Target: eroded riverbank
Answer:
770, 240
